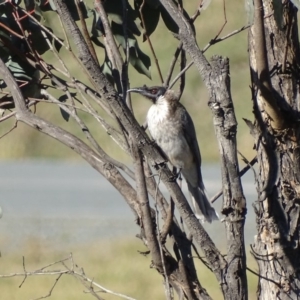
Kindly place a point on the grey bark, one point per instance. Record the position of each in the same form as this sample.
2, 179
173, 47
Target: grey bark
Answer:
276, 246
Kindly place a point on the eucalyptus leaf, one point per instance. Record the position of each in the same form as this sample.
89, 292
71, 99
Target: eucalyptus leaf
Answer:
139, 60
20, 69
153, 3
63, 98
4, 51
150, 16
29, 5
106, 69
64, 114
114, 9
37, 38
169, 22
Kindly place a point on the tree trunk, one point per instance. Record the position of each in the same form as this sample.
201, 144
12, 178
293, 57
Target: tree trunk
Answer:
276, 246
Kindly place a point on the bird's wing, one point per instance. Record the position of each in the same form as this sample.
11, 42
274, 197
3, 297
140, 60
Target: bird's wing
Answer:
191, 138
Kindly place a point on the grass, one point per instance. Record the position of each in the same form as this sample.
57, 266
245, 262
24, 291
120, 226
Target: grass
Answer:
27, 142
114, 264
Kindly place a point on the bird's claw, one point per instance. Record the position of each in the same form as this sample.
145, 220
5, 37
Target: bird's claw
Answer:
176, 175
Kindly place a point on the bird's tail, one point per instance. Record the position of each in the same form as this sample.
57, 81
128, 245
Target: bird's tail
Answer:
203, 210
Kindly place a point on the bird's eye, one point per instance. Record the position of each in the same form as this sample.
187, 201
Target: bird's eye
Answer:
154, 91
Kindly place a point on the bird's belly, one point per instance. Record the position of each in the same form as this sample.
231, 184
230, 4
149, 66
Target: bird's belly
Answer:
169, 137
178, 152
174, 145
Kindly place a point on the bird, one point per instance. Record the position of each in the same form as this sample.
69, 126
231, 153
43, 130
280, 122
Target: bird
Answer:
173, 130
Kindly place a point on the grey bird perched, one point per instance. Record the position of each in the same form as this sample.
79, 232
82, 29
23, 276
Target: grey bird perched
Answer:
172, 128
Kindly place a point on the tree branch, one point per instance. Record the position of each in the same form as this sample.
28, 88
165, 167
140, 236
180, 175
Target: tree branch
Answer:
23, 114
262, 66
139, 137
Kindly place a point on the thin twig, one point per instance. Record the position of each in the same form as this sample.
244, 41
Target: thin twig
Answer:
149, 42
12, 32
86, 35
67, 271
225, 21
241, 173
89, 136
212, 42
25, 276
172, 66
116, 58
10, 130
51, 290
44, 28
124, 74
182, 77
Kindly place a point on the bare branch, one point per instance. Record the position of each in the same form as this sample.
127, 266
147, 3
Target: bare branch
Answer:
242, 172
98, 163
51, 290
172, 66
89, 136
66, 271
115, 56
10, 130
85, 31
147, 220
139, 137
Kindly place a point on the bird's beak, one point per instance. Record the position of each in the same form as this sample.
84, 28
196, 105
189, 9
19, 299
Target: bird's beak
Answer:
135, 90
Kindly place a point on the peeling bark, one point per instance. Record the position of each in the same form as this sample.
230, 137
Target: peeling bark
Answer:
276, 246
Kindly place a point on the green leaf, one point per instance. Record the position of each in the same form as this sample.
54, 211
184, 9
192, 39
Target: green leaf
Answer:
153, 3
150, 16
20, 69
64, 114
63, 98
139, 60
169, 22
114, 9
38, 39
30, 5
106, 69
4, 51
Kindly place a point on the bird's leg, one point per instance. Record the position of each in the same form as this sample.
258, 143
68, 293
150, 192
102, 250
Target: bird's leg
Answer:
176, 175
179, 178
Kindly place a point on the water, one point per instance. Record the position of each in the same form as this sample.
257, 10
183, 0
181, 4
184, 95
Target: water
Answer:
67, 204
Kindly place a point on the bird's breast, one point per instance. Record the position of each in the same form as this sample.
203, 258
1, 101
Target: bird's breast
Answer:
168, 134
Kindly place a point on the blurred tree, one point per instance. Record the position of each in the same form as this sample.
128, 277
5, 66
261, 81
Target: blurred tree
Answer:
28, 78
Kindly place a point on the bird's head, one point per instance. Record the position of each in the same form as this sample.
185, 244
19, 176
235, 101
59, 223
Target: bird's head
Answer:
152, 93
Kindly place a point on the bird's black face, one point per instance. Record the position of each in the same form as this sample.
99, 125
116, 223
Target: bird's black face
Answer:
152, 93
